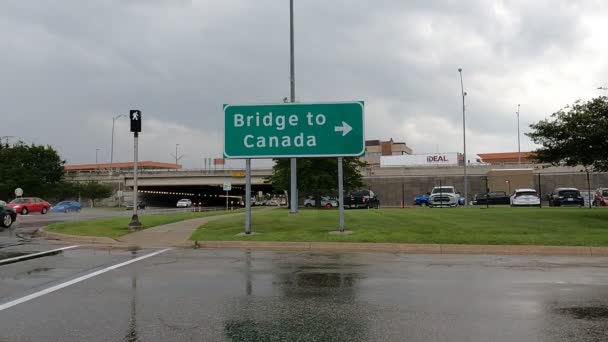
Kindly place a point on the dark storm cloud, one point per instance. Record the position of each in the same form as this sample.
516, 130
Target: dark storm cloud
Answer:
69, 66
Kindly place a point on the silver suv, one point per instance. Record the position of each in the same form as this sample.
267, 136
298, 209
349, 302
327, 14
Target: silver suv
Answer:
444, 196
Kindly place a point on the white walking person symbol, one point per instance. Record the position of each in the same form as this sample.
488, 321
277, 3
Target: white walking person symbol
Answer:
135, 115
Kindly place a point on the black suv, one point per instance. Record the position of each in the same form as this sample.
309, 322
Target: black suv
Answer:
497, 197
361, 199
566, 196
7, 215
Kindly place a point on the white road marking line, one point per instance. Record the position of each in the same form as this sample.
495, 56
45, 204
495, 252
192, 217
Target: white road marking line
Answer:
77, 280
29, 256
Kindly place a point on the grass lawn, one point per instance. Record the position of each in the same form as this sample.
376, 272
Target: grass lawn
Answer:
495, 226
117, 226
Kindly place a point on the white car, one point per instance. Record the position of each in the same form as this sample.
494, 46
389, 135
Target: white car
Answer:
326, 202
184, 203
525, 198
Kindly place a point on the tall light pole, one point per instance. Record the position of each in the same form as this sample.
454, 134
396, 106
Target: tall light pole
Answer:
114, 118
176, 156
464, 140
518, 140
96, 160
293, 207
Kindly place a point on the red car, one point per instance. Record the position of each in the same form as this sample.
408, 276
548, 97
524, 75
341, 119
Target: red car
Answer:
26, 205
601, 197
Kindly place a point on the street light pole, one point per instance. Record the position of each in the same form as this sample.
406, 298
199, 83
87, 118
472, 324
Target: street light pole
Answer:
464, 140
96, 160
114, 118
177, 157
518, 140
293, 208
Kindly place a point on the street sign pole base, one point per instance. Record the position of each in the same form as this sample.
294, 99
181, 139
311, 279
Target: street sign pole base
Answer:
341, 232
135, 224
245, 234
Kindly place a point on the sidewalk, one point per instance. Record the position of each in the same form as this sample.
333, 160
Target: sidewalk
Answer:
169, 235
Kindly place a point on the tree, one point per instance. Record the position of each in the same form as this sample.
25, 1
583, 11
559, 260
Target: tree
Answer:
317, 176
575, 135
36, 169
95, 190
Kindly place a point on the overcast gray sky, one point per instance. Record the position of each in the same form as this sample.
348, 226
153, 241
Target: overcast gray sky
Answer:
68, 66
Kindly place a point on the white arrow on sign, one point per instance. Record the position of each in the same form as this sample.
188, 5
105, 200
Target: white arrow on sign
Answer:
345, 128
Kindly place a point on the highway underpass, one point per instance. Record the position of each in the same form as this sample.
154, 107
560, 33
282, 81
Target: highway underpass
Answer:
203, 195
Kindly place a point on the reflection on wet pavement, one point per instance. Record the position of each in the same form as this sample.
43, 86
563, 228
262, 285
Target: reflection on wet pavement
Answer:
240, 295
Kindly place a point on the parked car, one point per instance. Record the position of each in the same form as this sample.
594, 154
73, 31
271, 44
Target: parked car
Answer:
66, 206
601, 197
184, 203
361, 199
444, 196
273, 201
566, 196
422, 200
525, 197
7, 215
26, 205
140, 206
494, 197
326, 202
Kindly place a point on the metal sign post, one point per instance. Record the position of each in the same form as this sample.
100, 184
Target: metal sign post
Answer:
135, 116
227, 188
248, 196
341, 193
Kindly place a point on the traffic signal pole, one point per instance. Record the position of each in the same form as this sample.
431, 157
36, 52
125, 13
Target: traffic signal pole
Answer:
135, 116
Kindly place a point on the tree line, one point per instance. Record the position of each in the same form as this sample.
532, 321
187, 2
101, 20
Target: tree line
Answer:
39, 171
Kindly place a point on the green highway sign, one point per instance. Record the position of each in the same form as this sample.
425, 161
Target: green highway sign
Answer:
294, 130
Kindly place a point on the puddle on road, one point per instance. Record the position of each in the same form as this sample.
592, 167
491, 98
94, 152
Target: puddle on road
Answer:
586, 313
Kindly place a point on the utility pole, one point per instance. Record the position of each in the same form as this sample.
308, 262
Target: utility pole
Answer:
518, 141
293, 208
176, 156
464, 141
6, 137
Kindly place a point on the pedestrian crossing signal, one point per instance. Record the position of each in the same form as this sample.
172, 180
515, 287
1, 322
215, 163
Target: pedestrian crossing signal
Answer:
135, 116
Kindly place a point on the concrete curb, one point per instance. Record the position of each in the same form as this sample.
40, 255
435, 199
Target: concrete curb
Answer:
79, 239
352, 246
406, 248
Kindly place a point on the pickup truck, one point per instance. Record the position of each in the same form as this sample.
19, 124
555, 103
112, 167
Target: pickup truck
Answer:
496, 197
444, 196
361, 199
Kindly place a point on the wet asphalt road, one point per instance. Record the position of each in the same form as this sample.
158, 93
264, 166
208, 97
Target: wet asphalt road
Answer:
239, 295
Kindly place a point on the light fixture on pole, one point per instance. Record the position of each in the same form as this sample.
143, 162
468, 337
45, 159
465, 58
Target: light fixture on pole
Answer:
464, 140
114, 118
518, 138
176, 156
